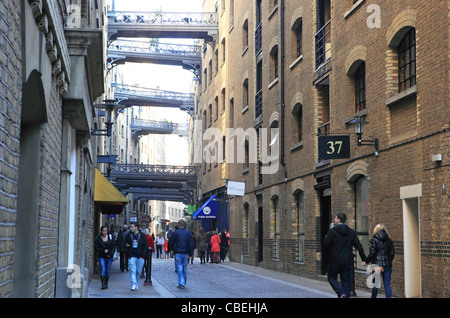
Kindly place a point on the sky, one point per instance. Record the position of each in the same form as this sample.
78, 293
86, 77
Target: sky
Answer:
170, 78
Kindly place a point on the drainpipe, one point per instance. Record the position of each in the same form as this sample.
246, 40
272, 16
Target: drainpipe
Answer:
282, 154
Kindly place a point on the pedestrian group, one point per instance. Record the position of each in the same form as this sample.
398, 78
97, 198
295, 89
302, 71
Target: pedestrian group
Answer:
133, 248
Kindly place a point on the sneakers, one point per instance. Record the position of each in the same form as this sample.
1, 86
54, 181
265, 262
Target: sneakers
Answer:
134, 287
180, 287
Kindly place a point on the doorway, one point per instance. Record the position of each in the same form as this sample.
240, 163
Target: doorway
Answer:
410, 196
411, 232
325, 225
259, 230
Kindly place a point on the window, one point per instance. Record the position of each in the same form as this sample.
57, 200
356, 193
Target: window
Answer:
362, 214
247, 155
274, 58
299, 252
245, 35
224, 101
210, 115
274, 202
210, 71
360, 87
216, 102
298, 115
407, 61
216, 60
223, 51
231, 13
231, 113
299, 39
245, 93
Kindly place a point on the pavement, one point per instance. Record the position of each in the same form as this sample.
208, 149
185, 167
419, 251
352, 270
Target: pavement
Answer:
224, 280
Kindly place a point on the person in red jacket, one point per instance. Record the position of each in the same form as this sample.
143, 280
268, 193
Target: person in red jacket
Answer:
215, 247
151, 245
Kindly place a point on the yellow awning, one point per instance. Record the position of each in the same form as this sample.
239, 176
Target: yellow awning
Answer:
110, 200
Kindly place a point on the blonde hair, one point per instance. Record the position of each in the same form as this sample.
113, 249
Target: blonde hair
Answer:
379, 227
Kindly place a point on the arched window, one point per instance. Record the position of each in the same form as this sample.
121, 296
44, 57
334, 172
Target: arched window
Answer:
407, 61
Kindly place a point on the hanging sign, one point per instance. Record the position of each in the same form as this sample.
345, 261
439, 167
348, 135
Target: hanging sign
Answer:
334, 147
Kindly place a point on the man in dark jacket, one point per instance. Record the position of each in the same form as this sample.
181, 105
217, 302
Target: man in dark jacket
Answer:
122, 249
339, 243
182, 245
137, 246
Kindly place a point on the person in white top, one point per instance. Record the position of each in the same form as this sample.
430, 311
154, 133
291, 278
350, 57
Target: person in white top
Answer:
159, 245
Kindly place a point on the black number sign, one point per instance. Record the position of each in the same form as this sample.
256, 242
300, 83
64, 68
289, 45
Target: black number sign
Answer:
334, 147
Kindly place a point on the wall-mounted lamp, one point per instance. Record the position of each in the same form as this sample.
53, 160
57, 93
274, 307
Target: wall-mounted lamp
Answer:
359, 130
109, 106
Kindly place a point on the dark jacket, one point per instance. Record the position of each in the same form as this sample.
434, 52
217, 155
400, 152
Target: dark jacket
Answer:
121, 241
181, 242
101, 246
142, 249
339, 244
381, 250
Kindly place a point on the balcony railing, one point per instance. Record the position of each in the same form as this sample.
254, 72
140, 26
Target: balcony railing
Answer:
258, 104
323, 44
136, 46
163, 18
324, 130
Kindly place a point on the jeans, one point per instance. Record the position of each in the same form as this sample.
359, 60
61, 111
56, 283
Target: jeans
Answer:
181, 262
105, 265
344, 271
386, 275
135, 266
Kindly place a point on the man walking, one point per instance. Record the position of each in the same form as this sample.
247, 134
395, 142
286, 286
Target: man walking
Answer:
339, 242
182, 245
137, 246
122, 249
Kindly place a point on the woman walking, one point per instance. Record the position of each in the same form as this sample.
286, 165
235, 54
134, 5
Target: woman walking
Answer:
381, 253
159, 246
105, 247
224, 245
201, 245
215, 247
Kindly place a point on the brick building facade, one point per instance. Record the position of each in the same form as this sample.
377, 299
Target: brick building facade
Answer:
47, 153
312, 68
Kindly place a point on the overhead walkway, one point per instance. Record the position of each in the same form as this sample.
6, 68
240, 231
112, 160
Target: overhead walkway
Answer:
139, 51
163, 25
156, 182
140, 127
128, 96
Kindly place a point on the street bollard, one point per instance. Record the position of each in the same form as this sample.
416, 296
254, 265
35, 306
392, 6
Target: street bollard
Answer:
148, 278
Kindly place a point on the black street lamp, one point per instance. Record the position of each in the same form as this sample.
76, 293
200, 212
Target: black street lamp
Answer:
359, 130
109, 107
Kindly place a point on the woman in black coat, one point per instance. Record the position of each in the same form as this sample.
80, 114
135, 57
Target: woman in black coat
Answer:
381, 253
105, 247
223, 245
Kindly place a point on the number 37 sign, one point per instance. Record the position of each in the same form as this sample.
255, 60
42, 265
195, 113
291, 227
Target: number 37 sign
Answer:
334, 147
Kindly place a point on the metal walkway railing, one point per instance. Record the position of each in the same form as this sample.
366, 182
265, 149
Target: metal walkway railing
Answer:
202, 25
139, 96
143, 127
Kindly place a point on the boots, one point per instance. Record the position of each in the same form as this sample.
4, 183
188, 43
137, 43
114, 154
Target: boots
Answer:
103, 279
106, 282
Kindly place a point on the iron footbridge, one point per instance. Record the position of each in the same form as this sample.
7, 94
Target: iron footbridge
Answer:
156, 182
140, 51
133, 24
127, 95
140, 127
